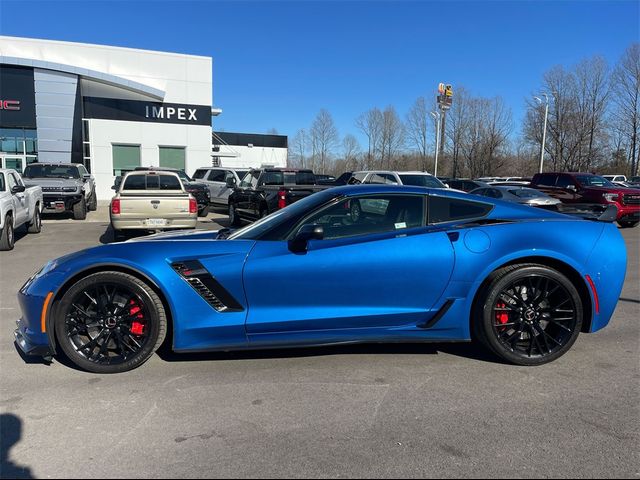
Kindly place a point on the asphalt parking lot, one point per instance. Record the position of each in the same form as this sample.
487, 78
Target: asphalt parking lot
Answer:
359, 411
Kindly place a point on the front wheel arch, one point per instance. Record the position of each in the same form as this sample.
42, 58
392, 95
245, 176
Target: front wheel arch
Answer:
562, 267
107, 268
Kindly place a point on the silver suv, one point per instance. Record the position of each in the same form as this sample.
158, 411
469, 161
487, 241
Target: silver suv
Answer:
417, 179
216, 179
66, 187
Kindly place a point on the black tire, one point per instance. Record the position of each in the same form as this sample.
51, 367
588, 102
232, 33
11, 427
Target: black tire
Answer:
628, 224
80, 210
516, 315
7, 238
234, 220
131, 304
120, 235
203, 212
263, 212
36, 224
93, 203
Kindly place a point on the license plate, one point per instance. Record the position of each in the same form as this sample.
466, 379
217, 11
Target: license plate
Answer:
156, 222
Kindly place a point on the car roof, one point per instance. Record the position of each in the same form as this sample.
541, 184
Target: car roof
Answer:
55, 164
148, 172
399, 172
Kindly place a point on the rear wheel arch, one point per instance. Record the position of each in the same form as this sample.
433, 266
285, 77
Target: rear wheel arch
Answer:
567, 270
108, 268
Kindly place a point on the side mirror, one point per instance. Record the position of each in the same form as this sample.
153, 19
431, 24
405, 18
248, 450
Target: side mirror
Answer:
231, 182
18, 189
572, 188
113, 187
86, 176
307, 232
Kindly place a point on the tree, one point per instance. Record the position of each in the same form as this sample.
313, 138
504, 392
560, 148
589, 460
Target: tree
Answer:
457, 125
418, 126
350, 152
392, 136
370, 124
626, 87
324, 137
299, 146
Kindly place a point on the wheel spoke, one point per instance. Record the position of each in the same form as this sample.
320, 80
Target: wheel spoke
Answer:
544, 335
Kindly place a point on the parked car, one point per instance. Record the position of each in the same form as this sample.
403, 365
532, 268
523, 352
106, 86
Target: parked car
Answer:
616, 178
433, 265
263, 191
216, 179
19, 206
343, 179
385, 177
587, 188
511, 180
198, 189
322, 179
634, 181
152, 200
67, 187
466, 185
517, 194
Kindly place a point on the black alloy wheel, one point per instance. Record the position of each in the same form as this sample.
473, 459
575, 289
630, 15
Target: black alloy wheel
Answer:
110, 322
531, 314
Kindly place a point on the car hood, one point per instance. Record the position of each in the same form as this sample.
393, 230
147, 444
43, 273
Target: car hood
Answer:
52, 182
178, 236
618, 190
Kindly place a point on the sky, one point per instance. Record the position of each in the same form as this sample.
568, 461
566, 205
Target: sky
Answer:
276, 64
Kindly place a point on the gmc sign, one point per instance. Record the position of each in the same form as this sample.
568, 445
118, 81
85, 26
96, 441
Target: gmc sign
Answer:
9, 104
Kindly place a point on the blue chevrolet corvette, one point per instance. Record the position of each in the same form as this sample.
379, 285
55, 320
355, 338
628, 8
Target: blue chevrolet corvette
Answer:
347, 265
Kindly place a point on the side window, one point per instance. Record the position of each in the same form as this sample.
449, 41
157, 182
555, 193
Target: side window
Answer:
17, 179
228, 175
494, 193
357, 178
370, 215
83, 171
380, 178
246, 180
565, 181
11, 180
2, 185
443, 209
481, 191
255, 175
547, 180
216, 176
199, 174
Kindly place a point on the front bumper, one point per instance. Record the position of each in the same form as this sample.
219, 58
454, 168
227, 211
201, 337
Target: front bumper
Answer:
60, 203
628, 213
28, 344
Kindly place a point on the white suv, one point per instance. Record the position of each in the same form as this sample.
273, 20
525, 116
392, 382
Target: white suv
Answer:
216, 179
417, 179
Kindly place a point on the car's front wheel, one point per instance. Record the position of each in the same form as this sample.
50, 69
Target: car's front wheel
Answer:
110, 322
80, 210
528, 314
234, 220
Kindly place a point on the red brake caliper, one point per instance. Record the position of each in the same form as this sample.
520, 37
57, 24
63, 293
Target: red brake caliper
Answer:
502, 318
137, 327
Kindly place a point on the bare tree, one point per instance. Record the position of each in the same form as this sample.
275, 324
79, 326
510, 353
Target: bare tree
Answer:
370, 123
350, 152
324, 137
626, 86
457, 125
418, 126
392, 138
299, 146
497, 123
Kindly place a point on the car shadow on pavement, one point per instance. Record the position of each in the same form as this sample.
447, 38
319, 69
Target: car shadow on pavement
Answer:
629, 300
467, 350
10, 435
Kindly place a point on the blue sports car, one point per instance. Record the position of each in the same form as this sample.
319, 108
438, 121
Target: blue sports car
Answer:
347, 265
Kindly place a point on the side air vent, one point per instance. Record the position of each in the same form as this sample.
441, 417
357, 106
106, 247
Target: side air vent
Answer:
194, 273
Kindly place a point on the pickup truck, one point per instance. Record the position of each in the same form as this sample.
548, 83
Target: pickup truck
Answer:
67, 187
585, 188
19, 206
152, 200
265, 190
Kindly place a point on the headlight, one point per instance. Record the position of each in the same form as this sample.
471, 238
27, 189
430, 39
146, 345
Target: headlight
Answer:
69, 189
47, 268
610, 197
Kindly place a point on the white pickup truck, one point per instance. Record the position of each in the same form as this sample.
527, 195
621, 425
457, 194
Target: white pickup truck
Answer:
19, 206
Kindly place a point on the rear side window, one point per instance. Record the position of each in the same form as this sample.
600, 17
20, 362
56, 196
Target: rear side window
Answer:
2, 184
565, 181
443, 209
305, 178
546, 180
217, 176
357, 178
200, 173
422, 181
272, 178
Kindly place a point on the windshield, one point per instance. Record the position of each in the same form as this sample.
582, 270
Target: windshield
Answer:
183, 176
526, 193
281, 221
421, 181
593, 181
51, 171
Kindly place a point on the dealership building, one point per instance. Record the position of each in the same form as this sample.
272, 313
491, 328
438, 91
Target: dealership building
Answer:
110, 108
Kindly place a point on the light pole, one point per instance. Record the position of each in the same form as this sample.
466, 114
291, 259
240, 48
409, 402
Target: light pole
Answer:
437, 116
544, 129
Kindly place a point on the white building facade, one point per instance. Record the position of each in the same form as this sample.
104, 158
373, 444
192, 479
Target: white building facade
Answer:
110, 108
249, 150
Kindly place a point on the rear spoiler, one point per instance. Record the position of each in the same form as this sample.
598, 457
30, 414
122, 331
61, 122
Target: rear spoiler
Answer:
590, 211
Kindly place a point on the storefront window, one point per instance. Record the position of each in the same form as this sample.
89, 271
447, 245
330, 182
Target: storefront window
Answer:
125, 158
18, 140
172, 157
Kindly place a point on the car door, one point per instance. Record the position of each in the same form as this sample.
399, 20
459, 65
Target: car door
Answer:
567, 190
20, 199
215, 180
378, 271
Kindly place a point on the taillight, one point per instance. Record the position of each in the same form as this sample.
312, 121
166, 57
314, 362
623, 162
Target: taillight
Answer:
115, 206
193, 205
282, 199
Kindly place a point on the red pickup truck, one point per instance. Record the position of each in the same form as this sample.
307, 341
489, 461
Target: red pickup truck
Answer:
588, 188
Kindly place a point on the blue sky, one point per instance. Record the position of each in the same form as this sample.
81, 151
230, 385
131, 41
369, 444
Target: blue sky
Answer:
276, 64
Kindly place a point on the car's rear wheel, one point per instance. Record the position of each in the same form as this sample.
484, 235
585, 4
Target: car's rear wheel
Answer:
93, 203
234, 220
7, 239
36, 224
80, 210
203, 212
528, 314
628, 224
110, 322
